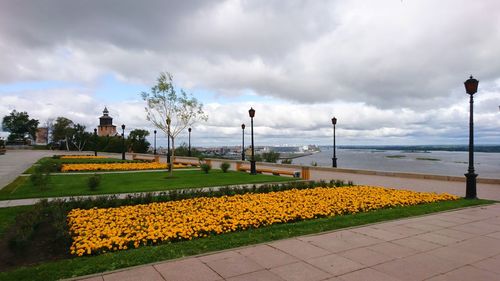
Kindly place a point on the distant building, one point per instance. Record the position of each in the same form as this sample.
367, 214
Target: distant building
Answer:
106, 127
42, 136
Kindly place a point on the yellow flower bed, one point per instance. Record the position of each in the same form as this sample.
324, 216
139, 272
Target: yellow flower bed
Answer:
110, 229
113, 166
82, 157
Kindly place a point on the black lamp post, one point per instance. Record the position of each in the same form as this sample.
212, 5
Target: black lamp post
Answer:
470, 190
334, 158
243, 142
189, 141
168, 144
154, 151
123, 142
95, 142
253, 170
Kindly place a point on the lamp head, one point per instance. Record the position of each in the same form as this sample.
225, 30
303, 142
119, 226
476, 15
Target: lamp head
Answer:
123, 127
189, 130
251, 112
471, 85
334, 121
243, 126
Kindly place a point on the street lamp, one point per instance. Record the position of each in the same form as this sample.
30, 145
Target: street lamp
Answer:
253, 170
470, 189
189, 141
95, 142
123, 142
154, 151
243, 142
334, 159
168, 144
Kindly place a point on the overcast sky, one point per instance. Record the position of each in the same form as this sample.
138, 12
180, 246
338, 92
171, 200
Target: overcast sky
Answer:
391, 71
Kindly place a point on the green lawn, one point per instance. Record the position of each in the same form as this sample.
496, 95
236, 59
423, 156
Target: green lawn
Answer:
75, 161
71, 185
111, 261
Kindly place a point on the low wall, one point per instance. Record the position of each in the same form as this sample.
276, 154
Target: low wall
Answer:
327, 173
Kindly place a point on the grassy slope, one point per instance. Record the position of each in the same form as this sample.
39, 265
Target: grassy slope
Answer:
110, 261
68, 185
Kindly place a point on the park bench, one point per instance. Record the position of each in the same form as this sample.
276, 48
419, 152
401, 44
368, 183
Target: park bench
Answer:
270, 171
153, 158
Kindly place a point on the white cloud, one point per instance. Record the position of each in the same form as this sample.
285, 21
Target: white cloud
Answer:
387, 69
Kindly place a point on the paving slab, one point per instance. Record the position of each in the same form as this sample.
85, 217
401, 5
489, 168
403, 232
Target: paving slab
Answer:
300, 271
187, 270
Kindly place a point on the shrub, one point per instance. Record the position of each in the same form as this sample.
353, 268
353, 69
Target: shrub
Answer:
271, 156
224, 167
40, 177
94, 181
286, 161
206, 167
314, 163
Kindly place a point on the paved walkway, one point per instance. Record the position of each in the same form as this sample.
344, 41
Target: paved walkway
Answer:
457, 245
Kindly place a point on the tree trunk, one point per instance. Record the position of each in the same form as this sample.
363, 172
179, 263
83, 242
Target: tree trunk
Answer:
172, 159
66, 141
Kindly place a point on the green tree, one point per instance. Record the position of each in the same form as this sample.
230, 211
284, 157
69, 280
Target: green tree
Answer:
183, 150
78, 137
271, 156
62, 130
137, 140
170, 111
20, 126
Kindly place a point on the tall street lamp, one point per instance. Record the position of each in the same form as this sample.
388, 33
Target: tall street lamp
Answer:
470, 189
123, 142
168, 144
334, 158
95, 142
154, 151
243, 142
189, 141
253, 170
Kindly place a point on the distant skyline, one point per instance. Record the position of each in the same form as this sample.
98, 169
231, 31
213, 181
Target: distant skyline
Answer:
390, 71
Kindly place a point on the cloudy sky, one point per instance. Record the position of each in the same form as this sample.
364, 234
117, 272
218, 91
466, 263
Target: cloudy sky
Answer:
391, 71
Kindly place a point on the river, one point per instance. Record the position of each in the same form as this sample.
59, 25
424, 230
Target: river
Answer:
451, 163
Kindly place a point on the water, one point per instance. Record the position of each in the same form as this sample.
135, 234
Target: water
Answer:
450, 163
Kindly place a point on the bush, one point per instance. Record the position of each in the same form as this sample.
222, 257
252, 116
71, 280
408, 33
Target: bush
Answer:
286, 161
271, 156
94, 181
314, 163
40, 177
206, 167
224, 167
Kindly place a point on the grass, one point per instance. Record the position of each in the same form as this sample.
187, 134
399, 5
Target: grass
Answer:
395, 156
428, 159
75, 161
74, 185
8, 216
111, 261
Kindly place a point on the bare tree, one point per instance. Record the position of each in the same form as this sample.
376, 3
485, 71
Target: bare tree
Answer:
164, 103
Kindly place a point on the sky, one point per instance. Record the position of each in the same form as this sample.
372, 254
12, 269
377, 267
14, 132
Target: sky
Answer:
390, 71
